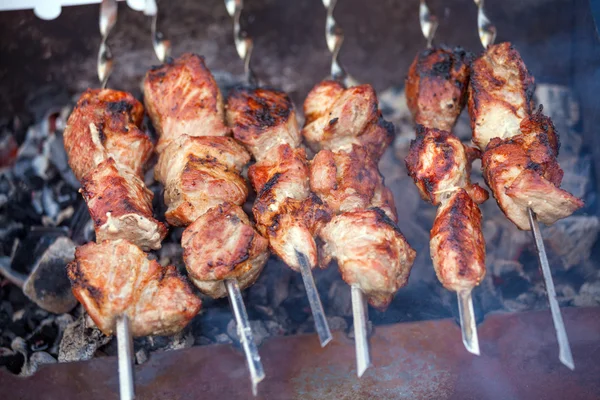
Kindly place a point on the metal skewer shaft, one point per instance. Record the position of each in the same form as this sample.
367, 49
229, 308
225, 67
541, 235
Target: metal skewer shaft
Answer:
360, 313
108, 18
255, 366
565, 355
314, 300
468, 324
162, 46
243, 44
125, 353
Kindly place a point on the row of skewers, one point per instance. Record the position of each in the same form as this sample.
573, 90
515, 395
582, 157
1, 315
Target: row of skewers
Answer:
307, 212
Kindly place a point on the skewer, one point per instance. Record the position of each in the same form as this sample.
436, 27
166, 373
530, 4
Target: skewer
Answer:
487, 35
108, 18
162, 46
255, 366
243, 45
334, 37
468, 324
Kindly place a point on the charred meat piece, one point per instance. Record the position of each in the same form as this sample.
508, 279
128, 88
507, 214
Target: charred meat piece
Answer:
262, 119
500, 94
182, 98
523, 173
200, 173
337, 118
115, 277
371, 253
222, 244
350, 182
121, 206
440, 164
457, 246
106, 123
436, 86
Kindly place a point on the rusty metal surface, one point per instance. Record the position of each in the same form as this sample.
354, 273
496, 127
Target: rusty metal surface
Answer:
415, 360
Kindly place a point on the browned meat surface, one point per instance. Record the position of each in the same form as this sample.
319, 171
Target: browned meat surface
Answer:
222, 244
262, 119
440, 164
371, 253
500, 94
436, 86
200, 173
457, 246
182, 98
337, 118
121, 206
523, 173
350, 182
113, 278
106, 123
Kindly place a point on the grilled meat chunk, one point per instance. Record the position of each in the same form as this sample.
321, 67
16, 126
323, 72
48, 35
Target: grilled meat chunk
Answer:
457, 246
523, 173
337, 118
350, 182
121, 206
436, 86
222, 244
106, 123
116, 278
440, 164
262, 119
500, 94
200, 173
182, 98
371, 253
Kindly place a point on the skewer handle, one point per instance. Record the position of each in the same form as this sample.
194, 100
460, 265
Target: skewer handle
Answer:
125, 353
314, 300
565, 355
468, 325
255, 366
360, 314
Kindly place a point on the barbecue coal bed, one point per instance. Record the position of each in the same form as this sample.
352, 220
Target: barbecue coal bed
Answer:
50, 348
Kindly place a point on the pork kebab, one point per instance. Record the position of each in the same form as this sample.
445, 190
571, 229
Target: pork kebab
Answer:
436, 89
200, 167
350, 135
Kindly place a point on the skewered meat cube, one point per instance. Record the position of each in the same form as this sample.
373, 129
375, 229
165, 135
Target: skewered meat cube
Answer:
200, 173
337, 118
116, 278
121, 206
457, 246
436, 86
350, 182
106, 123
371, 253
500, 94
440, 164
222, 244
182, 98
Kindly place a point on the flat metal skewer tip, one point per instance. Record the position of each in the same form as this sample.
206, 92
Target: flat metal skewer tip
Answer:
468, 326
125, 353
361, 338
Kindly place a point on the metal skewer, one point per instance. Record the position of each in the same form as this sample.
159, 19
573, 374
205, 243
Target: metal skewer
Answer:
108, 18
255, 366
487, 35
468, 324
162, 46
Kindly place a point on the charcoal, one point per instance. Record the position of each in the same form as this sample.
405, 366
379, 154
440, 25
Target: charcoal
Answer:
141, 356
258, 327
59, 159
370, 330
257, 294
36, 360
223, 338
34, 246
203, 341
14, 277
337, 324
43, 337
81, 225
340, 299
48, 284
589, 295
11, 360
80, 342
573, 238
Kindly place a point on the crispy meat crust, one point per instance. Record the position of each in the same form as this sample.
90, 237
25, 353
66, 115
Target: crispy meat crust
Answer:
371, 253
457, 246
121, 206
436, 86
439, 164
262, 119
222, 244
106, 123
337, 118
200, 173
182, 98
115, 277
500, 94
